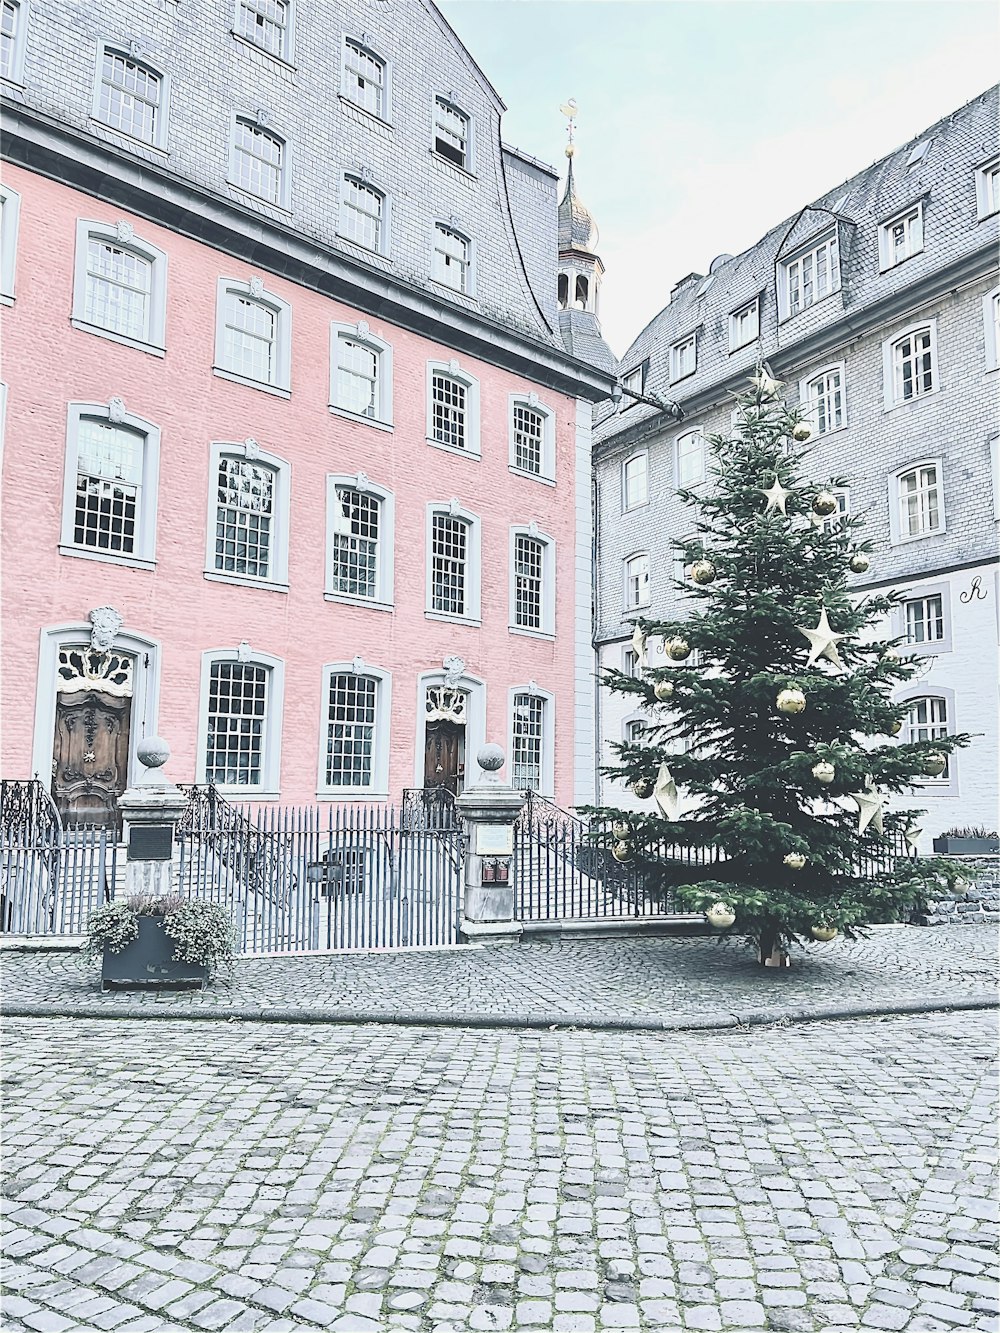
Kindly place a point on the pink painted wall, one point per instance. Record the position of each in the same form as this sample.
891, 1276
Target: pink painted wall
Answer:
47, 363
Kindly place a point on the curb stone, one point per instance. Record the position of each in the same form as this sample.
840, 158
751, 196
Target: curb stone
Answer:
711, 1021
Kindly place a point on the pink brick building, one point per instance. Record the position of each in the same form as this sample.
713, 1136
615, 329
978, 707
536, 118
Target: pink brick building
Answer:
307, 494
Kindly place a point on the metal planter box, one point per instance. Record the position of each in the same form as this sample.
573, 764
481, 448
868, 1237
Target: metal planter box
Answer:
967, 846
149, 961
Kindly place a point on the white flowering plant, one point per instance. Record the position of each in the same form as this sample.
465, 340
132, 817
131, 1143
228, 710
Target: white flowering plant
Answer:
200, 932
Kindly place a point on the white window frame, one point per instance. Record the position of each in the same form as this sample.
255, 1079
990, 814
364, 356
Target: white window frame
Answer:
473, 563
547, 629
991, 328
995, 473
930, 786
630, 663
628, 577
385, 114
162, 113
891, 402
356, 179
833, 521
702, 472
547, 465
900, 620
635, 381
469, 270
828, 240
449, 104
737, 340
249, 451
15, 71
385, 566
281, 384
287, 53
144, 555
914, 215
10, 209
809, 402
269, 787
451, 370
123, 238
897, 535
677, 358
636, 504
547, 780
988, 189
378, 788
283, 202
632, 720
361, 334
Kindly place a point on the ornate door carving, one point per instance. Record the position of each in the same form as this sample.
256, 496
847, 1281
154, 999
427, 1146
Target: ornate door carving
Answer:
444, 756
90, 756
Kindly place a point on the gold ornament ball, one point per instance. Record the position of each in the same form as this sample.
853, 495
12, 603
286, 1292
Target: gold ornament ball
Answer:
824, 772
795, 860
823, 932
790, 700
720, 916
895, 727
802, 432
622, 851
703, 571
934, 764
620, 830
825, 504
859, 563
643, 788
678, 649
663, 689
890, 655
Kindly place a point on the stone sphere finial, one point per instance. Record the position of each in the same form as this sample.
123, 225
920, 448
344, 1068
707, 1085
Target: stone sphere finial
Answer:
152, 752
490, 758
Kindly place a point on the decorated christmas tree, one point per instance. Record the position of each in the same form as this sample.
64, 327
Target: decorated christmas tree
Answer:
772, 753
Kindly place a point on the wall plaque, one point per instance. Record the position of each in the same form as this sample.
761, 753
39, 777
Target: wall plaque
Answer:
494, 839
150, 842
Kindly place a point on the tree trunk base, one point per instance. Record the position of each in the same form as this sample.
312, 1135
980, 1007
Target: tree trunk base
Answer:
776, 957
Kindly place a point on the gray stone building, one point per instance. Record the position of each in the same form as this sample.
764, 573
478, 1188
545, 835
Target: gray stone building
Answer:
877, 305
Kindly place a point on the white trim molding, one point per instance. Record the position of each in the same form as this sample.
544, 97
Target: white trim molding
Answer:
900, 619
546, 628
823, 398
380, 410
384, 99
161, 113
10, 217
803, 273
269, 786
901, 236
120, 236
283, 169
145, 486
252, 291
930, 500
991, 328
383, 555
444, 429
475, 720
987, 189
280, 470
628, 603
15, 67
546, 440
701, 456
643, 502
917, 365
361, 178
378, 753
547, 756
473, 563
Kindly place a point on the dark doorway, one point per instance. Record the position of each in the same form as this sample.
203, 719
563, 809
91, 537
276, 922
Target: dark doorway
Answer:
90, 757
444, 756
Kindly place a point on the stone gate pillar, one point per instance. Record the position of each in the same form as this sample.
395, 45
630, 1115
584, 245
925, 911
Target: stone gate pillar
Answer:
489, 811
150, 811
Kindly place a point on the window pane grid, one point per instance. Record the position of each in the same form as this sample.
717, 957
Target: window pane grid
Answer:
919, 501
745, 325
451, 132
244, 517
913, 368
924, 620
264, 22
362, 214
684, 358
526, 742
448, 407
528, 434
637, 580
9, 14
826, 398
810, 277
451, 258
636, 481
449, 553
237, 708
117, 289
357, 377
109, 477
129, 97
257, 162
249, 340
365, 79
927, 721
355, 557
350, 736
528, 566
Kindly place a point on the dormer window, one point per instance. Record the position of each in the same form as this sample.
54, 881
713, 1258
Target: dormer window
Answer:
684, 358
451, 133
809, 276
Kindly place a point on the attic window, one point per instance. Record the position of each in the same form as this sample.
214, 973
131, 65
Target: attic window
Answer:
919, 153
704, 286
839, 205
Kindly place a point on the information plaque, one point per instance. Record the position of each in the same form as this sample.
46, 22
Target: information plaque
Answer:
150, 842
494, 839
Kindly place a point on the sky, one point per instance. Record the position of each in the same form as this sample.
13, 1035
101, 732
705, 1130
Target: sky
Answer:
703, 123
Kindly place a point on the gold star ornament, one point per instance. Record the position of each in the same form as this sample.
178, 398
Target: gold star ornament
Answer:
822, 642
639, 646
665, 793
776, 496
765, 385
871, 805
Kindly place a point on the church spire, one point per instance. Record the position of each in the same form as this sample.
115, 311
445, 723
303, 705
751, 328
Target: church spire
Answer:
580, 267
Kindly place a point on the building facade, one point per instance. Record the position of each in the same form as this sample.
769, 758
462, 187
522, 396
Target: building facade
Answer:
296, 465
877, 306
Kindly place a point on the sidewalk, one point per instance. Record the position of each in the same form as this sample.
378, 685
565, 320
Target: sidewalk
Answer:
666, 984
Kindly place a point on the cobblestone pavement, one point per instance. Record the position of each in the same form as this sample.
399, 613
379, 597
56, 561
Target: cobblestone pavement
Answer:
667, 979
369, 1179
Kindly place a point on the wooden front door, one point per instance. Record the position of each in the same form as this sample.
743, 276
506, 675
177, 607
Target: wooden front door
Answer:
90, 757
444, 756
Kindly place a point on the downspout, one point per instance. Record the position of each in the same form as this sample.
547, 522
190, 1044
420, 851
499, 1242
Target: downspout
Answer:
595, 546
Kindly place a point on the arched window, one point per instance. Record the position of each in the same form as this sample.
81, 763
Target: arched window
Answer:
452, 259
362, 214
532, 739
532, 581
360, 535
267, 24
637, 581
451, 133
366, 79
360, 374
248, 516
13, 14
452, 408
130, 97
931, 715
119, 287
532, 437
916, 501
454, 563
582, 292
258, 162
253, 336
